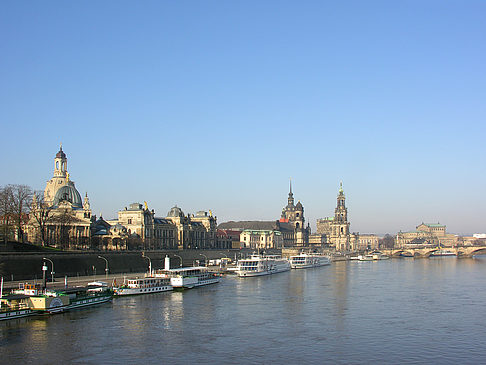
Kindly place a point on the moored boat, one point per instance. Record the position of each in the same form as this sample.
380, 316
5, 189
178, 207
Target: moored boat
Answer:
379, 256
306, 260
442, 252
187, 277
15, 306
56, 301
145, 285
258, 265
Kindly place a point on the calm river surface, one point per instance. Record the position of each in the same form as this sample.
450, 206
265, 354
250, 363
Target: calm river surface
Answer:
400, 311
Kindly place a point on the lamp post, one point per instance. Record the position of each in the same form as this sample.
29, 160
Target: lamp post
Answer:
179, 258
52, 272
106, 268
205, 258
150, 262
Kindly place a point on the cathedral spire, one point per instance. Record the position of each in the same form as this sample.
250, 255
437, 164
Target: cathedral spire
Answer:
291, 196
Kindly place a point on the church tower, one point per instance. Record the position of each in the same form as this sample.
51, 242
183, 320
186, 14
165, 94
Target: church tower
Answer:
60, 177
60, 164
340, 225
294, 216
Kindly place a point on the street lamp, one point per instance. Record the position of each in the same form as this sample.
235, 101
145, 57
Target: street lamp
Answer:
150, 262
106, 268
52, 272
179, 258
205, 257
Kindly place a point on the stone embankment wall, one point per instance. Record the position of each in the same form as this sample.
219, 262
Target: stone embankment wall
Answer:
28, 265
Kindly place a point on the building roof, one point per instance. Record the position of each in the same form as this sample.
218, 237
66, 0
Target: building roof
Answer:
326, 219
162, 221
61, 154
261, 231
175, 212
70, 194
135, 206
433, 225
255, 225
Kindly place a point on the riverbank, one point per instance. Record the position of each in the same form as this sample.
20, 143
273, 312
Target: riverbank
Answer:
16, 266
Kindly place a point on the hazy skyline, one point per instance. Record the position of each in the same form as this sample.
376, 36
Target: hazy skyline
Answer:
215, 105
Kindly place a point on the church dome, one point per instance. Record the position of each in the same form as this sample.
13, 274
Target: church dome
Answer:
175, 212
70, 194
61, 154
299, 205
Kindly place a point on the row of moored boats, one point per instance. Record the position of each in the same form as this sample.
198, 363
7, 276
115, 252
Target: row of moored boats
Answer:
258, 265
31, 299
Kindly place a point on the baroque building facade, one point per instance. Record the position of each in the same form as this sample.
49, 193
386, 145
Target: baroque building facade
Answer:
60, 217
261, 239
175, 231
426, 234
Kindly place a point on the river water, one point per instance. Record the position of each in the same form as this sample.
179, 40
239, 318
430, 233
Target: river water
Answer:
399, 311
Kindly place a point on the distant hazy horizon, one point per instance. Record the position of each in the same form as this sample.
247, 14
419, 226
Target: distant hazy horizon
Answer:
215, 105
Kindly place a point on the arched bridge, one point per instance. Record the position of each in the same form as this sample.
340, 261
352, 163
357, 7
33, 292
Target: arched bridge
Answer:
460, 251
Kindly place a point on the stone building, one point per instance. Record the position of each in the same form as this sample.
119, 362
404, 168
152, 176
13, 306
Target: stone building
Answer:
228, 238
210, 226
261, 239
60, 217
367, 242
426, 234
109, 237
194, 231
175, 231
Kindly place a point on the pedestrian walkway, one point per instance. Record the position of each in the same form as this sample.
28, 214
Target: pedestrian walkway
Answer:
59, 282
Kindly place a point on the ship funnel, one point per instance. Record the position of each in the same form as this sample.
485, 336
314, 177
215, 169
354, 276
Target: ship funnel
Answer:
167, 262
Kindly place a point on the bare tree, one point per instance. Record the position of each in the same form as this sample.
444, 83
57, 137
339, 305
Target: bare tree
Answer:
6, 211
387, 241
21, 201
42, 213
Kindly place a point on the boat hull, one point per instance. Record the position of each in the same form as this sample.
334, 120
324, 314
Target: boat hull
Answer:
138, 291
268, 269
309, 262
14, 314
192, 282
80, 303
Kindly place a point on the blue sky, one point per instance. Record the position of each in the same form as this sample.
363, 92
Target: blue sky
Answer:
216, 104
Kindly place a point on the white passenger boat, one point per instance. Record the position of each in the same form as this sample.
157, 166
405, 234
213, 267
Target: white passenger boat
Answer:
145, 285
368, 257
379, 256
307, 260
187, 277
258, 265
442, 252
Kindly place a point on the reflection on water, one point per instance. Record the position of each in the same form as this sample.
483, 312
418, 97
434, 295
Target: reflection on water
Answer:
395, 311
